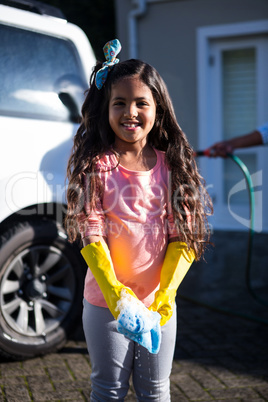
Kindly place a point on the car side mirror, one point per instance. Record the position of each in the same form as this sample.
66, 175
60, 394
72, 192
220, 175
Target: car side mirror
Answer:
70, 103
71, 92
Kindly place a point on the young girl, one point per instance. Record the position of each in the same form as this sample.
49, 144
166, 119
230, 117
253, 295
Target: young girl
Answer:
136, 198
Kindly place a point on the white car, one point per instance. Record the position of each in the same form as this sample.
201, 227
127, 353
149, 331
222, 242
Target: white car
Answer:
45, 66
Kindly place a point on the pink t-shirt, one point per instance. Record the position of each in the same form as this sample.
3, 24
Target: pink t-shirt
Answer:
134, 214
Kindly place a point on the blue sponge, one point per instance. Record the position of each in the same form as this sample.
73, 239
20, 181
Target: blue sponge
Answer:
138, 323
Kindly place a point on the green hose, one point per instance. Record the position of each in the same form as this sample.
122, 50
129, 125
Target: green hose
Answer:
250, 187
251, 229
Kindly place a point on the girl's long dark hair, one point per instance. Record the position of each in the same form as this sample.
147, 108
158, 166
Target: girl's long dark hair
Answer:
95, 136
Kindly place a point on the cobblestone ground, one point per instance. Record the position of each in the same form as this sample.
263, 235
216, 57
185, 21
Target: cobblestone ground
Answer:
219, 356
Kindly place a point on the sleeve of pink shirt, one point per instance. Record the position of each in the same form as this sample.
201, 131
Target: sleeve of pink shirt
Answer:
92, 222
172, 230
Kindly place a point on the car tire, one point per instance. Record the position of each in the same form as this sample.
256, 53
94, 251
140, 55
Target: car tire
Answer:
41, 286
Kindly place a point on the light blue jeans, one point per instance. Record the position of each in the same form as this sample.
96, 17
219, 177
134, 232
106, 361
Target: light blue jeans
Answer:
114, 358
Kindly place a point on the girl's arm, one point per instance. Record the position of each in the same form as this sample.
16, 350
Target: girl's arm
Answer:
94, 239
97, 256
173, 239
177, 262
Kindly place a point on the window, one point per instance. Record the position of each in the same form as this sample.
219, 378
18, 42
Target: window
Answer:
239, 91
239, 112
32, 66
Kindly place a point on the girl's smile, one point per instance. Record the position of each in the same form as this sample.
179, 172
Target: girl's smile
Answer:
132, 111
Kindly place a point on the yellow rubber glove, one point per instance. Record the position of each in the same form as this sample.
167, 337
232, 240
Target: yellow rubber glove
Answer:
177, 262
98, 259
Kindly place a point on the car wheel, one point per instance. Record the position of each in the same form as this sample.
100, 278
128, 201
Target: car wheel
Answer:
41, 282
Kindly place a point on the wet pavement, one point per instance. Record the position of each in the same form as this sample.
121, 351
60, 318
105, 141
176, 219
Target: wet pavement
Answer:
222, 343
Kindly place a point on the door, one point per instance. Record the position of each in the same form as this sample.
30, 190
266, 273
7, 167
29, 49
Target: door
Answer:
237, 104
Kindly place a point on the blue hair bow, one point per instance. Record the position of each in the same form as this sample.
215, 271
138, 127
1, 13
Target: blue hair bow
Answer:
110, 50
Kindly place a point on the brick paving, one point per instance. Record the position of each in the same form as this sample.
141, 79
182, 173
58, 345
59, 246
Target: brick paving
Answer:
220, 356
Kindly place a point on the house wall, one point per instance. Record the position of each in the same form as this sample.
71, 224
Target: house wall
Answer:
166, 38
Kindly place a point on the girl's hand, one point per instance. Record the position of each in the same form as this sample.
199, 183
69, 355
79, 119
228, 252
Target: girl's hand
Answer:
164, 302
137, 323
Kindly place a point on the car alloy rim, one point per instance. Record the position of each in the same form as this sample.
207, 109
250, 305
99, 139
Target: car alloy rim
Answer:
37, 290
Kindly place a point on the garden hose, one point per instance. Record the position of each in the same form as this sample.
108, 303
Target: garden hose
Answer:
251, 291
251, 228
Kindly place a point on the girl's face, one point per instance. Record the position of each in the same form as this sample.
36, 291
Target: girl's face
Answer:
132, 111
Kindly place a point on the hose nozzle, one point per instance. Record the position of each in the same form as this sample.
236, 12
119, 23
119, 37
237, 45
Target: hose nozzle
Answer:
206, 152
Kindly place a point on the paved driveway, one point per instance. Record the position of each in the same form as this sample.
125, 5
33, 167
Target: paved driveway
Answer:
221, 352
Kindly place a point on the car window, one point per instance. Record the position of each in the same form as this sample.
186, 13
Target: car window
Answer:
31, 68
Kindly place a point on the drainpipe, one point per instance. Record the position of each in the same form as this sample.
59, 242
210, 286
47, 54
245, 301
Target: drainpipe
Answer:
138, 11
